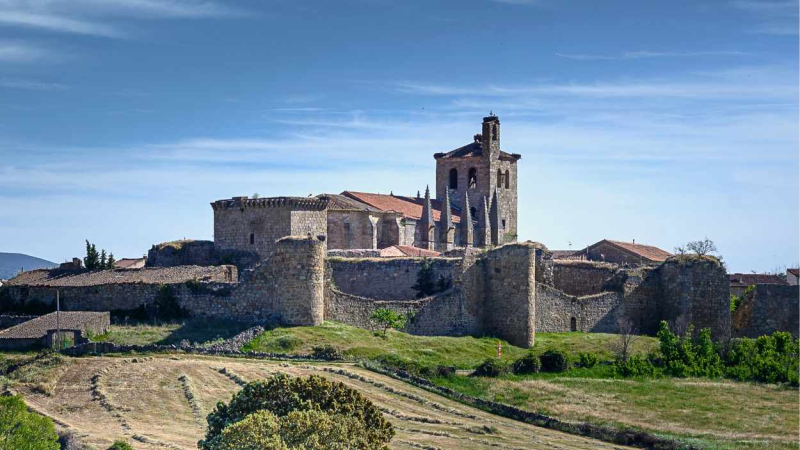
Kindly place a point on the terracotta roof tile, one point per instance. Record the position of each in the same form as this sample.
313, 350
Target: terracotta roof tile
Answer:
405, 250
410, 207
645, 251
747, 279
338, 202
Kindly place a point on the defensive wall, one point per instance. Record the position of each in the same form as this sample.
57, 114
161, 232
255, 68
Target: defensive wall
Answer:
768, 308
509, 292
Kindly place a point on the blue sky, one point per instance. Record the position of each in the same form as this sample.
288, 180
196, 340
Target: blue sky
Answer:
664, 122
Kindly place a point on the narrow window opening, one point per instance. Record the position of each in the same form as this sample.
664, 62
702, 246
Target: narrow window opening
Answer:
473, 178
504, 224
508, 177
453, 179
499, 179
494, 132
573, 324
472, 212
252, 238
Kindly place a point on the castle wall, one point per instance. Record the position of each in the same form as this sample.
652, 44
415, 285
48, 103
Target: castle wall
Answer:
770, 308
356, 311
352, 229
606, 252
695, 291
592, 313
510, 295
581, 277
386, 279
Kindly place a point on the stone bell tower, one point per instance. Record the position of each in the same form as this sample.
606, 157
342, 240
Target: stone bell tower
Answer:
478, 172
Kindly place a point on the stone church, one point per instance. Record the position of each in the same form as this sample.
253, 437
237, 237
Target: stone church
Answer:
475, 205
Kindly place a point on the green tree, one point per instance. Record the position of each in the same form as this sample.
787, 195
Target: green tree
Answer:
111, 261
282, 395
103, 260
120, 445
386, 318
92, 259
426, 281
21, 429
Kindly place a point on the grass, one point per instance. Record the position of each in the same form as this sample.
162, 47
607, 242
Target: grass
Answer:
713, 414
460, 352
196, 331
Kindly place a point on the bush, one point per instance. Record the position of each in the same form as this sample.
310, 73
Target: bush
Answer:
282, 395
288, 343
395, 363
166, 304
588, 360
635, 366
687, 356
21, 429
555, 361
120, 445
307, 430
445, 371
386, 318
529, 363
327, 352
492, 367
769, 359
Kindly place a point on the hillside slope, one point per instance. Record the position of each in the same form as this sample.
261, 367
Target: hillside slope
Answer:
11, 263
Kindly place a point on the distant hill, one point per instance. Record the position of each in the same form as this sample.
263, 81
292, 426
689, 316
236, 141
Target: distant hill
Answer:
10, 264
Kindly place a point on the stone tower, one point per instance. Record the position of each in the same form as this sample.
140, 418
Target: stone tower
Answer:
481, 170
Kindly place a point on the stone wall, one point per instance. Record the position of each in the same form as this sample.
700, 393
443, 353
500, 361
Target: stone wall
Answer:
198, 253
696, 291
352, 229
769, 308
582, 277
255, 225
384, 278
510, 293
557, 311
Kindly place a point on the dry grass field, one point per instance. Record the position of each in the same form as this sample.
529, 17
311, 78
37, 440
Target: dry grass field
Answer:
158, 402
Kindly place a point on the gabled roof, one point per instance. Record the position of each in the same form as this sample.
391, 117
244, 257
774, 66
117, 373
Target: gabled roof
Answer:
795, 272
474, 149
338, 202
126, 263
747, 279
410, 207
648, 252
405, 250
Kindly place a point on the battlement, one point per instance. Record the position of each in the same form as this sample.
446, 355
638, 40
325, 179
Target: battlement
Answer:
295, 203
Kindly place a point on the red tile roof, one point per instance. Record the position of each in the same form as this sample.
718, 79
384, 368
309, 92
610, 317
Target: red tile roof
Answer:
747, 279
405, 250
410, 207
649, 252
795, 272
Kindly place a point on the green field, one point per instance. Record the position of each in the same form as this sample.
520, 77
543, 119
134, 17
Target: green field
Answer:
197, 331
717, 414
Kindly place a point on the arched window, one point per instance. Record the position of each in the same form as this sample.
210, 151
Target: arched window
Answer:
499, 179
508, 177
472, 213
453, 179
252, 238
494, 132
473, 178
573, 324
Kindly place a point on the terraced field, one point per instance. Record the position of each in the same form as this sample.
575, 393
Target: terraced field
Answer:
161, 402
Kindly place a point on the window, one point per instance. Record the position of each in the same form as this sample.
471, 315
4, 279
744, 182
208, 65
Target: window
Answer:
473, 178
252, 238
508, 177
494, 132
472, 213
573, 324
453, 179
499, 179
504, 224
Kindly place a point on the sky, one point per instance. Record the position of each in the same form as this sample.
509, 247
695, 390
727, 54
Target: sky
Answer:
663, 122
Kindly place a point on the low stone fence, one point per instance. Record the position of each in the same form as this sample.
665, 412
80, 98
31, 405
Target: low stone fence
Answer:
624, 436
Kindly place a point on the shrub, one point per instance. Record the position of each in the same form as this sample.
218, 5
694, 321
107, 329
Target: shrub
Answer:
166, 304
386, 318
120, 445
395, 363
635, 366
687, 356
588, 360
327, 352
492, 367
529, 363
555, 361
445, 371
21, 429
769, 359
288, 343
307, 430
282, 395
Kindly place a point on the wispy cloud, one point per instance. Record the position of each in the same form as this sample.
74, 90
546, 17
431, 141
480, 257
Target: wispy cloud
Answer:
23, 52
30, 85
775, 17
91, 17
646, 54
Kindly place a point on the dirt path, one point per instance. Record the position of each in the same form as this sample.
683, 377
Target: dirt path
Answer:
161, 402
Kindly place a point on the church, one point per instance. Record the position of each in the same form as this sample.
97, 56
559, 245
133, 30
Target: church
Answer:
475, 204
